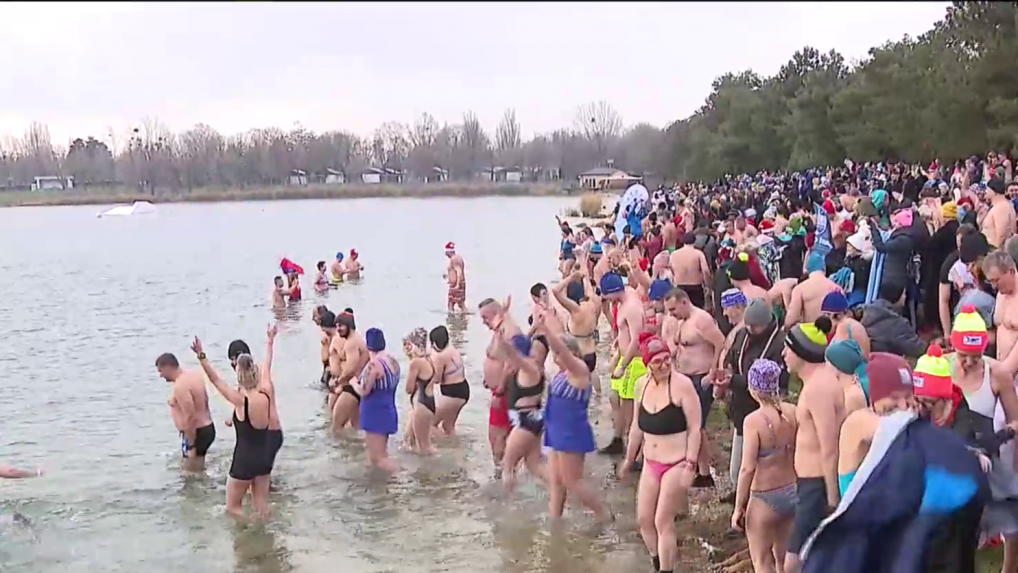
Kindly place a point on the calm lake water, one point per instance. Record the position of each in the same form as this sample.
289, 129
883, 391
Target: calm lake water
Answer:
87, 304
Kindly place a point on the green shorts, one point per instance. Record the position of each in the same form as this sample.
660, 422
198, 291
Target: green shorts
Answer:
626, 386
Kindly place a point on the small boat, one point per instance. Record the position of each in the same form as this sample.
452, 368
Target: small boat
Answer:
138, 208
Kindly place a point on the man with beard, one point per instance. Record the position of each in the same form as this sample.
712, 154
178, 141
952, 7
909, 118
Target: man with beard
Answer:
348, 355
759, 337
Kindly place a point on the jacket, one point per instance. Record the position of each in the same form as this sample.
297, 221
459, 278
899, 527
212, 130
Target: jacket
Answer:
915, 478
740, 403
891, 332
898, 249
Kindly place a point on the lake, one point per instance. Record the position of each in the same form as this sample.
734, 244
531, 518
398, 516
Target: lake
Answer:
89, 303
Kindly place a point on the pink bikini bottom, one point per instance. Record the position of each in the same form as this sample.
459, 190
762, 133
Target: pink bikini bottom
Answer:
659, 469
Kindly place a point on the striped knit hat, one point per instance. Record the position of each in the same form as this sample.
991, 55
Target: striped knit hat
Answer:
733, 297
969, 334
932, 375
807, 342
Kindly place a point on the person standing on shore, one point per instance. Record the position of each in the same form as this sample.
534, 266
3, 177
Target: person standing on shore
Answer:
189, 406
457, 279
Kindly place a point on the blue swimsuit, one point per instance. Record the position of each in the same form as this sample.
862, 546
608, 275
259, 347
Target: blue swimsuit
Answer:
378, 407
567, 428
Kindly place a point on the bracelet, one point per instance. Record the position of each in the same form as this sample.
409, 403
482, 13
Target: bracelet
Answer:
202, 356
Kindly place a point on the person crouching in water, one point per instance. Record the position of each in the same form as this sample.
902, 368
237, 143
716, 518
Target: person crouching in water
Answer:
377, 388
252, 412
667, 425
766, 493
567, 431
419, 377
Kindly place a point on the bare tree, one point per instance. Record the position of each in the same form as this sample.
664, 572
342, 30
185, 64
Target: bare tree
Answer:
599, 123
475, 143
507, 139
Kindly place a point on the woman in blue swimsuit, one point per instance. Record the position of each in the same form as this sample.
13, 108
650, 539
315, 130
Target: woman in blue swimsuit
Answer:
567, 430
377, 387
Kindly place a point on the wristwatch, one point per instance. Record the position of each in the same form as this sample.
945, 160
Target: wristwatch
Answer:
202, 356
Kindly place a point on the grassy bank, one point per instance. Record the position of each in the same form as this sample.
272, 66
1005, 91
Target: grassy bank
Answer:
111, 195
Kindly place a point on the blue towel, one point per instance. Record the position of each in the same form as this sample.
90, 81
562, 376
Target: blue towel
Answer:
876, 271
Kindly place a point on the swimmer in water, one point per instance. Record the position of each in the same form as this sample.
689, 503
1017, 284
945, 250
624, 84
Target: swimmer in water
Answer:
377, 386
252, 462
354, 267
189, 406
322, 278
347, 358
337, 269
233, 352
279, 293
451, 379
456, 277
294, 286
7, 472
419, 377
568, 432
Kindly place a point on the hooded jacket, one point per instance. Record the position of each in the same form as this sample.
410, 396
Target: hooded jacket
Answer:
740, 403
898, 249
891, 332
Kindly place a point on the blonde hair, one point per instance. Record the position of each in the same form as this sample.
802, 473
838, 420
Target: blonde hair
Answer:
772, 400
247, 372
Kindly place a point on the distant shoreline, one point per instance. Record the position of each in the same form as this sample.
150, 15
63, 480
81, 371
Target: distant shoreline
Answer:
121, 195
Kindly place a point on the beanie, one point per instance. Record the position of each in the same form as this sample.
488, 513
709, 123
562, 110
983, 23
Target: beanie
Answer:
807, 342
658, 289
739, 269
374, 339
932, 375
845, 356
758, 313
651, 346
611, 283
969, 333
733, 297
888, 374
835, 303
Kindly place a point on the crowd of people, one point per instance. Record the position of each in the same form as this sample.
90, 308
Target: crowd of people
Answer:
856, 326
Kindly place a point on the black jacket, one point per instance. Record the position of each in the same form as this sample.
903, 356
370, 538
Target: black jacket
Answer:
898, 249
740, 403
889, 331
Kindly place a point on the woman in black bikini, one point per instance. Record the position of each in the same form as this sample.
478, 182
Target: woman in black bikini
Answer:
450, 376
420, 373
252, 410
524, 390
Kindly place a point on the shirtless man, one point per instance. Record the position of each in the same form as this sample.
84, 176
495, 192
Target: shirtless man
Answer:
1000, 272
279, 291
808, 296
584, 307
670, 236
699, 345
348, 355
820, 413
327, 323
337, 269
189, 406
835, 307
496, 373
456, 275
738, 273
627, 365
354, 267
690, 270
999, 223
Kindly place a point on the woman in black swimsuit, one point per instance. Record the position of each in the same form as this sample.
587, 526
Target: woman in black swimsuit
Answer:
450, 376
252, 412
238, 347
420, 373
524, 389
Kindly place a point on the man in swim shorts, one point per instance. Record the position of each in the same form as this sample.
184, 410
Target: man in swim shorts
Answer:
496, 374
628, 365
457, 278
189, 406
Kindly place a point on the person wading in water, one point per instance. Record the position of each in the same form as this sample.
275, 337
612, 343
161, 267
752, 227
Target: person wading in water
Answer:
347, 357
189, 406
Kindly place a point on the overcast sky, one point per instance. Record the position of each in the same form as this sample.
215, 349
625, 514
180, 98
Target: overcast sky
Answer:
85, 68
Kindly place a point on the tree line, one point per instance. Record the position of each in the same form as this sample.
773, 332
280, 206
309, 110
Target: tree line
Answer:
948, 94
152, 157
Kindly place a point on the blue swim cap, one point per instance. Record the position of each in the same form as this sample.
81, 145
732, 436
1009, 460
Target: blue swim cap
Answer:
522, 344
374, 339
659, 288
339, 256
611, 283
595, 249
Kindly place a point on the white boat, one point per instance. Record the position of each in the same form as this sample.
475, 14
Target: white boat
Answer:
138, 208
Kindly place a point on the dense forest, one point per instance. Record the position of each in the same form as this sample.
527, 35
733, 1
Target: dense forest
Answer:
948, 94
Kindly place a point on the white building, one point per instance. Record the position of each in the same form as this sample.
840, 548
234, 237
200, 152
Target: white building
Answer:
334, 177
51, 182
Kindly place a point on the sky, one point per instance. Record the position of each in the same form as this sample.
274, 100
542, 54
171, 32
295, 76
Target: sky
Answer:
93, 68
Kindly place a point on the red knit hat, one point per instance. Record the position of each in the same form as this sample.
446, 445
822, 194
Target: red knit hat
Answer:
651, 346
766, 226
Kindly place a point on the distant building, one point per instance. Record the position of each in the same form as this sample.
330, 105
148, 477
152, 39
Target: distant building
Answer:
334, 177
438, 175
392, 176
51, 182
298, 177
372, 175
511, 175
600, 178
487, 175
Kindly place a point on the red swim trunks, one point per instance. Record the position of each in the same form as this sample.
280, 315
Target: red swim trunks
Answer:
498, 414
457, 295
